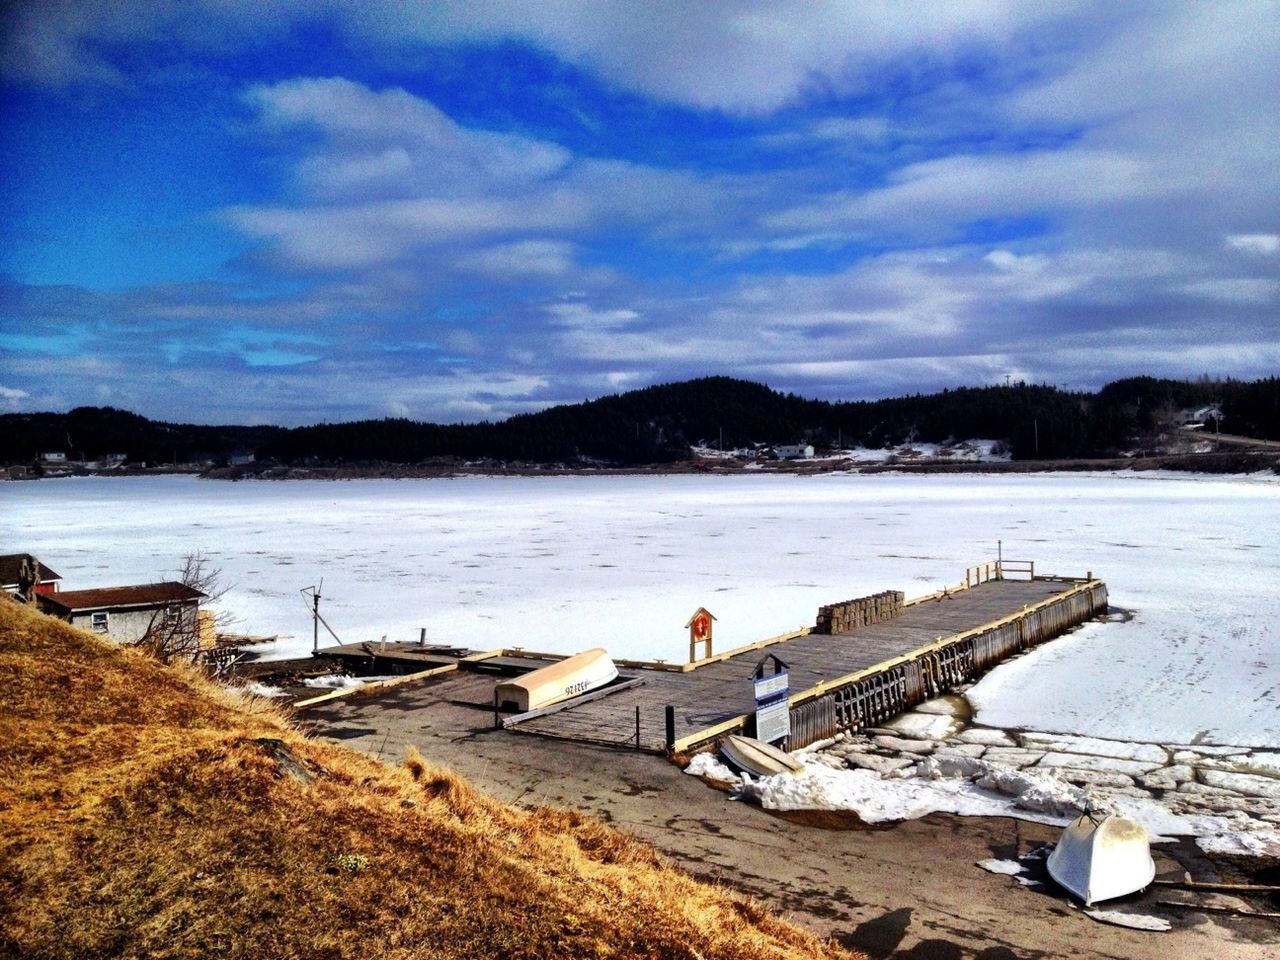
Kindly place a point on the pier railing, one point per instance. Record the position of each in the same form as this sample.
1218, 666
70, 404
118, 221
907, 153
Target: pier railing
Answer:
869, 697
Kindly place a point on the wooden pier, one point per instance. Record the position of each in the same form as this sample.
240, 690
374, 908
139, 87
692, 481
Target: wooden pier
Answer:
863, 662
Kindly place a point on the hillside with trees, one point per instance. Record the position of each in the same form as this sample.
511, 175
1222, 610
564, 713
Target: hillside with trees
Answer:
659, 425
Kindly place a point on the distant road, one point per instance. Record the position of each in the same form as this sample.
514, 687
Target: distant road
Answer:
1236, 441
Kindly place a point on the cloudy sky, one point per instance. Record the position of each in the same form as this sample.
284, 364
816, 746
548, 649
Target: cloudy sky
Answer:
217, 211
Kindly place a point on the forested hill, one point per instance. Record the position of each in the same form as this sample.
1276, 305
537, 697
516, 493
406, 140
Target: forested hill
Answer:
659, 424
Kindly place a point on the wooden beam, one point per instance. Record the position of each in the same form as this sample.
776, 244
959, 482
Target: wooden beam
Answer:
519, 718
375, 685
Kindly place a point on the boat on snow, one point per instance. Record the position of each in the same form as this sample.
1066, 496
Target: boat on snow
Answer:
1100, 858
759, 758
571, 677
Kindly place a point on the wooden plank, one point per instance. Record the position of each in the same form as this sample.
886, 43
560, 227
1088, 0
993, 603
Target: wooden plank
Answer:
375, 685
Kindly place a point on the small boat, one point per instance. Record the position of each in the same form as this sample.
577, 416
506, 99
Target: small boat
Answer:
757, 757
1100, 858
570, 677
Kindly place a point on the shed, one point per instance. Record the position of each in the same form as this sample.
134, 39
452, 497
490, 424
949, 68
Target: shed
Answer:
797, 451
128, 614
13, 578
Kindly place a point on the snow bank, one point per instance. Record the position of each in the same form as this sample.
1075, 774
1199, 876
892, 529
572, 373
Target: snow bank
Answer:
339, 681
974, 787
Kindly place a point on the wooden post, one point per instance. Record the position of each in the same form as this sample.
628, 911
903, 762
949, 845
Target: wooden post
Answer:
671, 727
422, 636
637, 726
497, 720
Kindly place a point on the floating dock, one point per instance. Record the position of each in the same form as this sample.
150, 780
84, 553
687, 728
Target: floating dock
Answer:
863, 662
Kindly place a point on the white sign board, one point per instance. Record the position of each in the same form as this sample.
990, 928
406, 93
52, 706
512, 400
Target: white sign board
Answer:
773, 709
773, 722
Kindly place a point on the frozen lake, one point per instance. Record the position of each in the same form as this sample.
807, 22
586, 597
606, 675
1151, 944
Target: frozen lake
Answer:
563, 563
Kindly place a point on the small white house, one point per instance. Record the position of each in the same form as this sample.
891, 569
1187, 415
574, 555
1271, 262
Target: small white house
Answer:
800, 451
128, 614
1198, 416
54, 456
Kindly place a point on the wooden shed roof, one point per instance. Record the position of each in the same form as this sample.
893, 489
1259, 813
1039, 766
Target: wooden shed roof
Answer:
11, 565
142, 595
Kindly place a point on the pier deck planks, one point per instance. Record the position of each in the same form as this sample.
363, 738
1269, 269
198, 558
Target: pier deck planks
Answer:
720, 691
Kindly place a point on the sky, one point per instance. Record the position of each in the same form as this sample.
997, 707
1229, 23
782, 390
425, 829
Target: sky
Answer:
223, 212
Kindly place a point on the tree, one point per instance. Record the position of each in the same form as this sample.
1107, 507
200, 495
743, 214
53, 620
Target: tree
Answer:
173, 634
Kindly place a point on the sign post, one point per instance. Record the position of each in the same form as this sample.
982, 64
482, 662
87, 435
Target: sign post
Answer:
773, 706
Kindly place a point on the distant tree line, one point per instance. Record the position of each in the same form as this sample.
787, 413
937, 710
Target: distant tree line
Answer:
659, 424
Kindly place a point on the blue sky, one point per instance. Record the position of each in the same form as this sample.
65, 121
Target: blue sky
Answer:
284, 212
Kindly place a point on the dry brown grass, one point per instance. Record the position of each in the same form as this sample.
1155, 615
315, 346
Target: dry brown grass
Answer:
145, 812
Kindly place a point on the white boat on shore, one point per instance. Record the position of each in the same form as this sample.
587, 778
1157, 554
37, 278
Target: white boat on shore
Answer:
571, 677
1100, 858
759, 758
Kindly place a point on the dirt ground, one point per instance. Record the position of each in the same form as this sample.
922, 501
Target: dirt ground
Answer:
911, 890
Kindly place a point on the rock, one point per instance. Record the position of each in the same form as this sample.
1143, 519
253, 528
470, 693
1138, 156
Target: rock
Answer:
1167, 778
1082, 761
951, 749
856, 746
1220, 804
1013, 756
948, 705
923, 726
899, 745
1096, 778
987, 736
1192, 752
1192, 786
1095, 747
881, 765
1264, 760
950, 768
1248, 784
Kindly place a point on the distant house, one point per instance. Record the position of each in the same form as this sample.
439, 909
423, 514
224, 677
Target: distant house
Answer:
128, 614
54, 456
18, 571
800, 451
1199, 416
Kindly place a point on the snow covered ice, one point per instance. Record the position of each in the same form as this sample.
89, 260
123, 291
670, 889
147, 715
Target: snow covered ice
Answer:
1190, 660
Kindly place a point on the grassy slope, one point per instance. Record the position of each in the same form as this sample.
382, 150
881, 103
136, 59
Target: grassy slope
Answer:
147, 812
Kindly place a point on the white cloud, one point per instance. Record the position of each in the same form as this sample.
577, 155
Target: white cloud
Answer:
1237, 290
11, 397
1263, 243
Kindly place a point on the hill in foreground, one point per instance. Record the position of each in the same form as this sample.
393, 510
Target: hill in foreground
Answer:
145, 811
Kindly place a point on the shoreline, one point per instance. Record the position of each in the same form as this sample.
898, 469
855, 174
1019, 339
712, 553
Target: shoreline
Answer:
910, 888
1235, 463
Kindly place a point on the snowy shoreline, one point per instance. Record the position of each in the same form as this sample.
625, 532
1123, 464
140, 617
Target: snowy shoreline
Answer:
929, 761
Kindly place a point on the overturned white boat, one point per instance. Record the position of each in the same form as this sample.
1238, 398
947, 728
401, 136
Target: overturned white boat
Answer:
570, 677
1102, 857
757, 757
